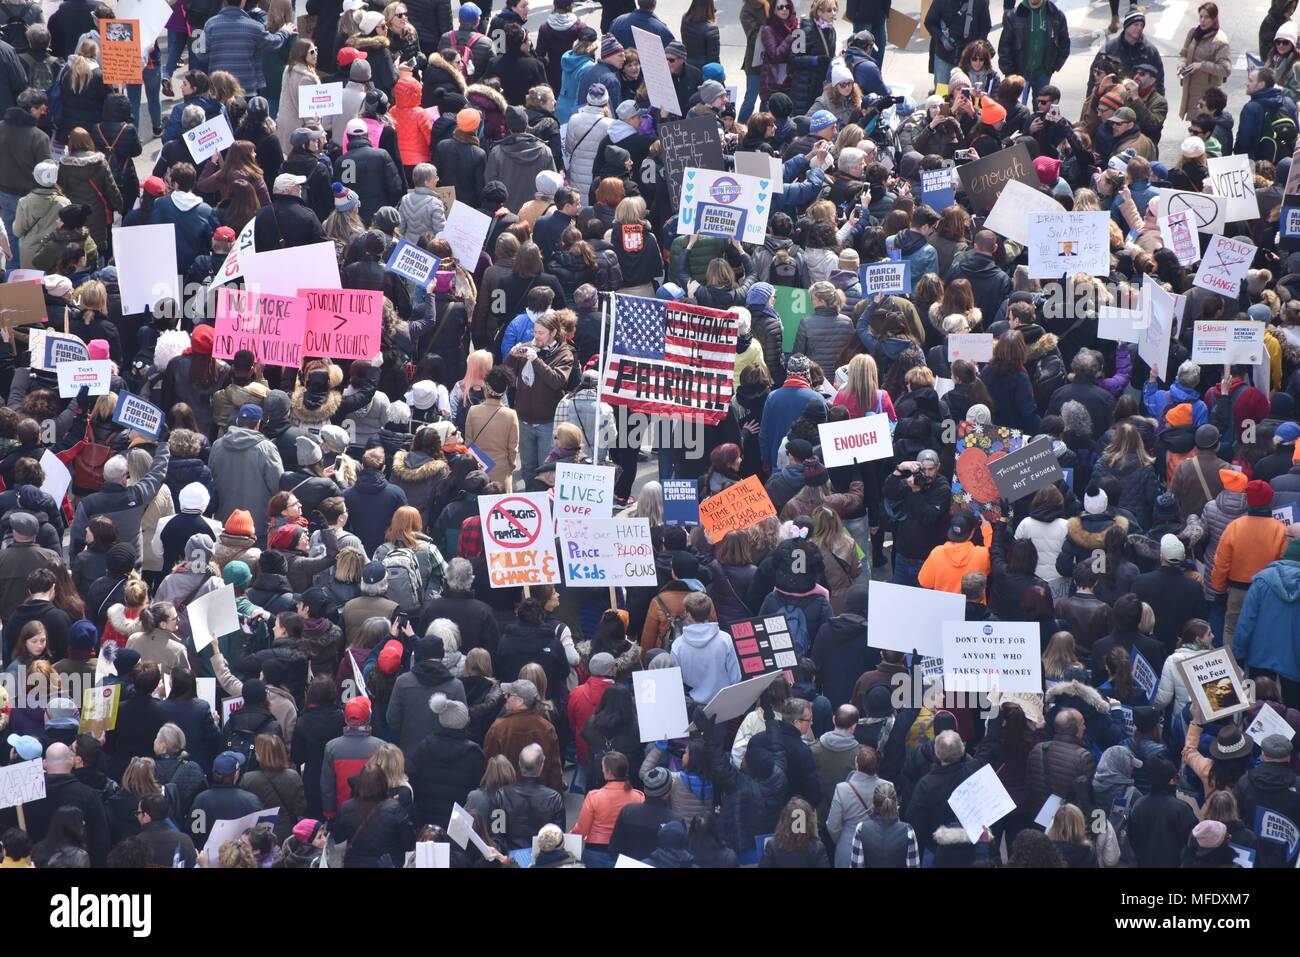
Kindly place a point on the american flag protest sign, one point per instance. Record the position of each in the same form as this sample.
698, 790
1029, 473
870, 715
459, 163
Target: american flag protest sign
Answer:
671, 358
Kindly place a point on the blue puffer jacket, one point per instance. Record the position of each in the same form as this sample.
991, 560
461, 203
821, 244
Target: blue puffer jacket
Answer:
922, 257
573, 65
1159, 401
195, 222
1268, 632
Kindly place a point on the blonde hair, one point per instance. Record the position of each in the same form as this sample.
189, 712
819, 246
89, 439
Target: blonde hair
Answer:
828, 532
630, 210
1069, 826
818, 6
568, 436
391, 763
82, 65
918, 377
823, 210
93, 297
236, 854
1060, 654
348, 564
139, 779
863, 382
1147, 623
135, 593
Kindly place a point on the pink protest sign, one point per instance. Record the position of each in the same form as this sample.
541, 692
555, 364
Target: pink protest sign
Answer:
343, 323
271, 326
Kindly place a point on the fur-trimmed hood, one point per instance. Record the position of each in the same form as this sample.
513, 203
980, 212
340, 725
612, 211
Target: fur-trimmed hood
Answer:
436, 61
122, 624
1045, 344
299, 412
358, 42
1086, 693
429, 469
1085, 538
486, 92
82, 159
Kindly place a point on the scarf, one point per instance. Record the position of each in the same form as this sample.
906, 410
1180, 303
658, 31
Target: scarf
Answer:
315, 627
782, 28
796, 382
1200, 34
455, 450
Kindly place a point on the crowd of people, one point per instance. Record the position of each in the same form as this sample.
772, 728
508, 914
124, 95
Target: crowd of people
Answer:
377, 682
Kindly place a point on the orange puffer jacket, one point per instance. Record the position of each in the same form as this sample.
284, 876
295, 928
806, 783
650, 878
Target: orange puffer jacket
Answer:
413, 123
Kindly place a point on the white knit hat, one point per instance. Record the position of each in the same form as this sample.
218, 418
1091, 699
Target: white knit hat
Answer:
46, 174
1193, 146
840, 73
1095, 501
1286, 31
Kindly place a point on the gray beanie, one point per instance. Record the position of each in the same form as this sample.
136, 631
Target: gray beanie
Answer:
451, 713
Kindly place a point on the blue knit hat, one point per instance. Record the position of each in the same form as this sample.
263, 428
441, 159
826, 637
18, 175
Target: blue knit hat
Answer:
760, 294
344, 198
470, 12
714, 71
821, 120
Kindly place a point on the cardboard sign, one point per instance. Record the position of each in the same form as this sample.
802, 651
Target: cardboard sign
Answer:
146, 265
320, 99
987, 177
119, 51
94, 375
893, 276
660, 699
730, 205
518, 539
213, 615
1010, 214
466, 230
413, 263
734, 700
448, 196
583, 491
681, 502
899, 28
764, 646
655, 71
209, 138
1228, 343
1208, 213
1064, 244
1026, 471
21, 304
1224, 267
1003, 656
133, 412
607, 552
735, 508
343, 323
690, 142
1234, 180
904, 618
280, 272
58, 348
1178, 233
1158, 311
975, 346
1268, 722
1215, 684
99, 705
272, 327
937, 187
855, 440
981, 801
22, 783
57, 476
764, 166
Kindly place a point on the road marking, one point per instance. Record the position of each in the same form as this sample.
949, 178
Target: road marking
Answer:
1171, 19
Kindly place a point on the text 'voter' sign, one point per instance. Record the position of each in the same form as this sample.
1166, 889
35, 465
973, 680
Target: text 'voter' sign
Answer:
518, 538
1024, 472
856, 440
133, 412
343, 323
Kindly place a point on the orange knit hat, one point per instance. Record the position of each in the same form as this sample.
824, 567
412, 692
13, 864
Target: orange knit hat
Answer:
1233, 481
1180, 414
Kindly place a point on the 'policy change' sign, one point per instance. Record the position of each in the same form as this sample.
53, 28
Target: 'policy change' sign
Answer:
518, 539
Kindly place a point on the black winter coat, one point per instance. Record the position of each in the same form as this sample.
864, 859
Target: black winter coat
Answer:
809, 69
1013, 47
287, 222
750, 806
316, 727
929, 809
478, 625
951, 26
431, 19
444, 768
461, 164
379, 839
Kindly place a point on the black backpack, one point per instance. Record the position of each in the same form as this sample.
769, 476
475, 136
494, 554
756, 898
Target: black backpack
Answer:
1278, 140
786, 268
1047, 376
243, 741
1221, 418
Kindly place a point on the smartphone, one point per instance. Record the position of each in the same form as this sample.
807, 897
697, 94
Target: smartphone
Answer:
401, 619
963, 154
858, 211
945, 109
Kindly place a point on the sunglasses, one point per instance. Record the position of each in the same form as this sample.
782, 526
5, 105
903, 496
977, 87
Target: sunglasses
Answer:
783, 7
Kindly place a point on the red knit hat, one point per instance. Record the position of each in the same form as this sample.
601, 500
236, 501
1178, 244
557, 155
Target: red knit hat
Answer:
1251, 404
1258, 494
